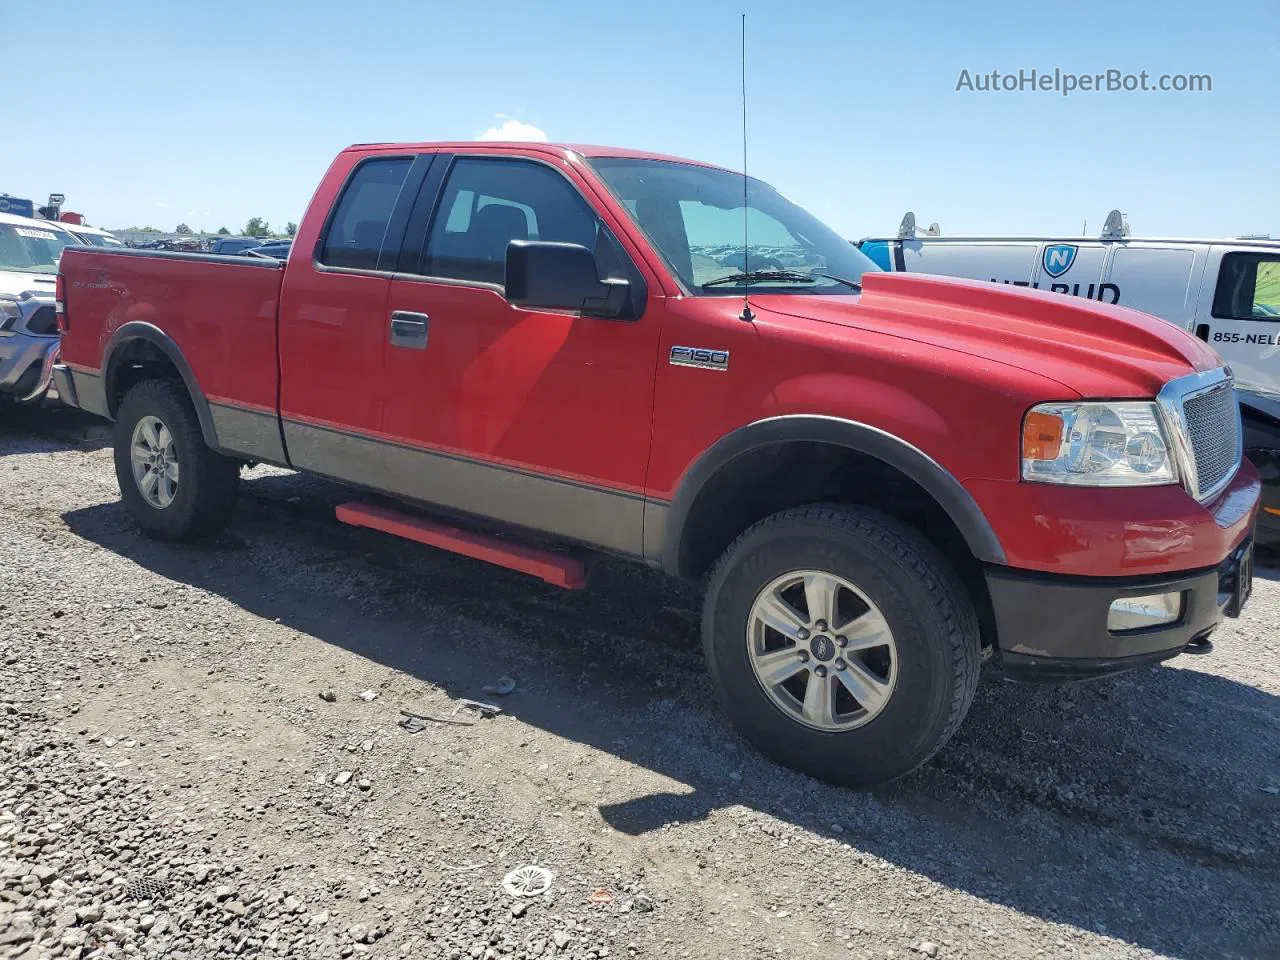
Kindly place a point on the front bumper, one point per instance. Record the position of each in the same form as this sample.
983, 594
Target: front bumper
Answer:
26, 366
1054, 628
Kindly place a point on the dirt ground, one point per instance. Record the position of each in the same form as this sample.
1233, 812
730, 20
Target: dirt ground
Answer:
174, 782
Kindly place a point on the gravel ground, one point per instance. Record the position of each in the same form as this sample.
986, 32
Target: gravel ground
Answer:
200, 757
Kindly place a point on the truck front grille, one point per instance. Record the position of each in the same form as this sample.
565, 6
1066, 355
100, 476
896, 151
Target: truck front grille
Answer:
1212, 419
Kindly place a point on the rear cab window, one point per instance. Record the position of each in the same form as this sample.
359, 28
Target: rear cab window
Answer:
1248, 287
354, 236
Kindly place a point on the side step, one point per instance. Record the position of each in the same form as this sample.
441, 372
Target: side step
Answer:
557, 570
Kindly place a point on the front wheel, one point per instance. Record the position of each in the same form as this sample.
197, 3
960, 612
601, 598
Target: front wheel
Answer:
841, 643
175, 487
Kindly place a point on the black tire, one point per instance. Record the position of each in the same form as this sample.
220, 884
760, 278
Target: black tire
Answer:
207, 481
934, 626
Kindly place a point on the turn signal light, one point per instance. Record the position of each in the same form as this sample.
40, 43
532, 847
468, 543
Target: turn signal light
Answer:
1041, 436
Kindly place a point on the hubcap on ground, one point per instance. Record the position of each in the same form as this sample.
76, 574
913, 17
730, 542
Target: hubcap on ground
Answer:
821, 650
155, 462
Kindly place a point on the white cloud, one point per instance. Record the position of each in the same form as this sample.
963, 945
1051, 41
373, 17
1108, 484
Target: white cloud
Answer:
511, 129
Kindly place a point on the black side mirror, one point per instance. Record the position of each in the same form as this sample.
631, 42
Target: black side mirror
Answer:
562, 276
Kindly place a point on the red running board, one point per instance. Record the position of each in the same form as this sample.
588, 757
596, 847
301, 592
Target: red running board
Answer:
555, 569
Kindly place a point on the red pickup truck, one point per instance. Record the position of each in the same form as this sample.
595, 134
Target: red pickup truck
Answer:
882, 479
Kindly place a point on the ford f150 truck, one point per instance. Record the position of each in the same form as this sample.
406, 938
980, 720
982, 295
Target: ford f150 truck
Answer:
518, 351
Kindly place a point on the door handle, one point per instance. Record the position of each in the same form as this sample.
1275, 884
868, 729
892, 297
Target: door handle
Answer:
409, 329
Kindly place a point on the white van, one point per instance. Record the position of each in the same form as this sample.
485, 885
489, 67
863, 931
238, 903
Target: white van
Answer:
1226, 292
93, 236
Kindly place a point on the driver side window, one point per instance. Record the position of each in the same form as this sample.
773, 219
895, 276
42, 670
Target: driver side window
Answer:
1248, 287
487, 203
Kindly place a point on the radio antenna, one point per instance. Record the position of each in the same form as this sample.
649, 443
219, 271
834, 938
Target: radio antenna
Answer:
746, 315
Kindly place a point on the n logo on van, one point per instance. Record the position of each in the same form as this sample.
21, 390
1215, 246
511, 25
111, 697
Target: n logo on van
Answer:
1058, 258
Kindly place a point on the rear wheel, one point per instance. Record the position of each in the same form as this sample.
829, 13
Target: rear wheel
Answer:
175, 487
841, 643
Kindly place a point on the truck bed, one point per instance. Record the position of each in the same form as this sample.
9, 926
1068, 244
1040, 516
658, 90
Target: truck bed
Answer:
219, 311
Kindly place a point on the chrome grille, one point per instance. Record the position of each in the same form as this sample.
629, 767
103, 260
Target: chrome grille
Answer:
1213, 427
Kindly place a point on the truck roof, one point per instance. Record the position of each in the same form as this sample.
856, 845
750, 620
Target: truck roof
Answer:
539, 146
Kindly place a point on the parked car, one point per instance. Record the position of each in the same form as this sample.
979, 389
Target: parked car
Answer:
230, 246
93, 236
1226, 291
29, 254
878, 490
272, 248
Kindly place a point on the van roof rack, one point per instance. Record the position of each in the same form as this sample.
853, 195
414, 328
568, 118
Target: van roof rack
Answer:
908, 228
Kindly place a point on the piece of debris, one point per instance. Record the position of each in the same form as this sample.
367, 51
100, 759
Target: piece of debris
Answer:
417, 722
343, 777
528, 880
520, 908
328, 696
928, 948
502, 686
641, 903
1271, 790
600, 895
561, 939
485, 710
363, 784
367, 695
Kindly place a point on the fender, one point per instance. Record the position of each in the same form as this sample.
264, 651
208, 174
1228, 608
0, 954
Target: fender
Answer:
140, 330
915, 463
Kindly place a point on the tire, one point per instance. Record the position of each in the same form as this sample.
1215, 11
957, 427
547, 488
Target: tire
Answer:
205, 490
884, 569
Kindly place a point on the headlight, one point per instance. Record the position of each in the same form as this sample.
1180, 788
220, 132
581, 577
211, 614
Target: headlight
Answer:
9, 313
1096, 445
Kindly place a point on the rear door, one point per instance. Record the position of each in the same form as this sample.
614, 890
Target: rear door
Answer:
1239, 312
534, 417
1000, 261
333, 320
1072, 268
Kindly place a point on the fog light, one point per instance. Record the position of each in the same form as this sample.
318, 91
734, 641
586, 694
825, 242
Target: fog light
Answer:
1138, 613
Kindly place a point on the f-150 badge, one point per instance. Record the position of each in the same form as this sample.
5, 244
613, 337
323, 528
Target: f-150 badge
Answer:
700, 357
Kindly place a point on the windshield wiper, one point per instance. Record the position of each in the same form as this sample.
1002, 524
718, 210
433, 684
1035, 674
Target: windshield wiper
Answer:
760, 276
778, 276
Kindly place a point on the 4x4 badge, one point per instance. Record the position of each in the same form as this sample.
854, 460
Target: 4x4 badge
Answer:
700, 357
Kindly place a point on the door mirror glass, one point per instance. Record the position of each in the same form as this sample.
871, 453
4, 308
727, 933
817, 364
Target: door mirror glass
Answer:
562, 276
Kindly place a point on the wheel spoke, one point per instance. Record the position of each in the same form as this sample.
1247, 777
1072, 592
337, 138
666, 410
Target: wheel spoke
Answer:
151, 436
819, 700
869, 690
776, 613
163, 438
165, 489
820, 597
866, 632
171, 471
778, 666
148, 484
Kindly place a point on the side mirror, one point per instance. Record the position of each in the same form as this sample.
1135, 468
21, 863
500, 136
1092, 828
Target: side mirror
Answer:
562, 276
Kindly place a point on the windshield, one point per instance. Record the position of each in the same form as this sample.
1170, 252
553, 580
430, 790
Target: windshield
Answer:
694, 216
100, 240
33, 249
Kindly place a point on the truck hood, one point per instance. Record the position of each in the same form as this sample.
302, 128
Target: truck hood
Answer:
14, 284
1094, 349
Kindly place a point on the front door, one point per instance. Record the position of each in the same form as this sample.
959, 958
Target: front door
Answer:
1239, 313
538, 418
